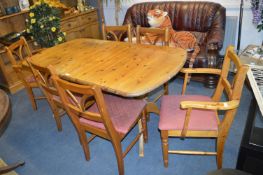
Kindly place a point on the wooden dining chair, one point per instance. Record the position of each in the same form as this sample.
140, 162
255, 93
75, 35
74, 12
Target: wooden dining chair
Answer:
17, 54
43, 77
108, 116
153, 36
197, 115
116, 33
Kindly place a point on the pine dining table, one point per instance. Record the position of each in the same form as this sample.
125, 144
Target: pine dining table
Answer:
125, 69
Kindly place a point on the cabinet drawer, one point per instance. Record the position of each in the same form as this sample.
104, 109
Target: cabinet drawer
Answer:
85, 31
69, 24
88, 18
78, 32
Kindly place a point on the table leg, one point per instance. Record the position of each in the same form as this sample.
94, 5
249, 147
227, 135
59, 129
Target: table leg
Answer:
152, 107
141, 142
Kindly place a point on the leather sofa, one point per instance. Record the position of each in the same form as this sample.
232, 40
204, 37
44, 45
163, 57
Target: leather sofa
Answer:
206, 20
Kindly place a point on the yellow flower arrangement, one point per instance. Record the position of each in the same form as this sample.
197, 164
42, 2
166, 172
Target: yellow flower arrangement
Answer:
31, 14
33, 21
53, 29
43, 24
60, 39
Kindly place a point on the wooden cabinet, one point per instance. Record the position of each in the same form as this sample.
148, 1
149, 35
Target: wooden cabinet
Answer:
83, 25
76, 26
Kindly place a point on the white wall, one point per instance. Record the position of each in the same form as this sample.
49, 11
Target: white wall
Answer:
249, 34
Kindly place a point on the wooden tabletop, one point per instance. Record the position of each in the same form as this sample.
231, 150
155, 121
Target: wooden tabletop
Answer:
117, 67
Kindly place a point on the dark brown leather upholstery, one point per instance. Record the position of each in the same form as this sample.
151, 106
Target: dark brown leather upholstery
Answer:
206, 20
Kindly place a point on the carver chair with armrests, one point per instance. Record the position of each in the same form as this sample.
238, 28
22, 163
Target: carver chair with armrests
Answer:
197, 115
17, 54
116, 33
43, 76
108, 116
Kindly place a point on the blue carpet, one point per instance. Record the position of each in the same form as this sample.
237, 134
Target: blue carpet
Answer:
33, 137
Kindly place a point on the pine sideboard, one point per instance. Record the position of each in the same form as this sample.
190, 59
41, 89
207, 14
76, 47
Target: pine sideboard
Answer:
81, 25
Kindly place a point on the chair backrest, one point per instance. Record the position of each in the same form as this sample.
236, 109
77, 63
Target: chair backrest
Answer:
77, 98
152, 36
43, 76
233, 90
18, 51
116, 33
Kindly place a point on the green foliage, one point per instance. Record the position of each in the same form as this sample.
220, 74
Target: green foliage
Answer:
257, 10
260, 25
43, 25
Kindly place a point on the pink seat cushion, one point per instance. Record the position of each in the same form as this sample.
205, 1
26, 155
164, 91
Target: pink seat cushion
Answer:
122, 111
172, 116
30, 79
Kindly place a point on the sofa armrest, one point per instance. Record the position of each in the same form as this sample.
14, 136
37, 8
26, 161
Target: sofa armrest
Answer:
215, 37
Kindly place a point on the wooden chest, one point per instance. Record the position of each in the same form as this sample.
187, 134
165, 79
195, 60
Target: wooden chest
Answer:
83, 25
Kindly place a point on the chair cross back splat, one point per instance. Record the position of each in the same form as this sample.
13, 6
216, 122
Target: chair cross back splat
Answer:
152, 36
108, 116
43, 77
17, 53
116, 33
196, 115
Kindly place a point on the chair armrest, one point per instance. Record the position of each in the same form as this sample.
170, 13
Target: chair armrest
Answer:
187, 71
201, 71
210, 105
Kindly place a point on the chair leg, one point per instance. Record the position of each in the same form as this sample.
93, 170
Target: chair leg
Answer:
118, 151
58, 120
220, 151
144, 126
84, 143
164, 135
56, 114
31, 97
